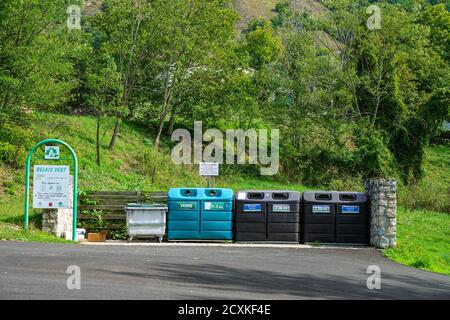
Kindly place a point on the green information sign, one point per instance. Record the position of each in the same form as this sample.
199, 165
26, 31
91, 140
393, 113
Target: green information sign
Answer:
186, 205
50, 153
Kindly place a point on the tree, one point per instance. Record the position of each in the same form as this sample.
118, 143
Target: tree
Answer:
104, 91
124, 25
34, 70
190, 40
437, 18
263, 46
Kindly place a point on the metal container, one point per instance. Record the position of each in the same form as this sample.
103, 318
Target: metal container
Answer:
146, 220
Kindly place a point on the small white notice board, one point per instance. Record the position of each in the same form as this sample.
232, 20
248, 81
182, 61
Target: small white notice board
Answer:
51, 187
209, 169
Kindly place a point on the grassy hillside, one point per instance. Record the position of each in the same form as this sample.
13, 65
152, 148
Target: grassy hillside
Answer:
433, 192
251, 9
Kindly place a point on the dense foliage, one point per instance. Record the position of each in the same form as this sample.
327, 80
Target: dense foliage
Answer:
350, 102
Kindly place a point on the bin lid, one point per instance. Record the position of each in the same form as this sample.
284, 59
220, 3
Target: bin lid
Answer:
146, 205
194, 194
269, 195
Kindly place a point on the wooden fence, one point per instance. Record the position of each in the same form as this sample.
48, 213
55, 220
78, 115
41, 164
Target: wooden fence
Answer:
112, 203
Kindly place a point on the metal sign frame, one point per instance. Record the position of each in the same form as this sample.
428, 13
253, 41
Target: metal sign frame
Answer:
75, 182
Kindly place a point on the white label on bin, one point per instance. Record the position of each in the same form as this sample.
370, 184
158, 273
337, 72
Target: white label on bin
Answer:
207, 205
321, 209
281, 208
241, 195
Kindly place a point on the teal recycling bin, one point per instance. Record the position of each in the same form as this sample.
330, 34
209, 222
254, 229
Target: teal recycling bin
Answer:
200, 214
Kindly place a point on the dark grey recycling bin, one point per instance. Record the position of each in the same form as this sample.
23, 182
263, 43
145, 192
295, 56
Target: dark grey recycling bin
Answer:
267, 215
319, 216
352, 218
336, 217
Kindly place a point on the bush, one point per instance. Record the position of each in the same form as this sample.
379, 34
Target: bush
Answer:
14, 145
425, 195
7, 153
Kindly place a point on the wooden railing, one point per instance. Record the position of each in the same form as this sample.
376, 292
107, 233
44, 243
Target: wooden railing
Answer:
112, 203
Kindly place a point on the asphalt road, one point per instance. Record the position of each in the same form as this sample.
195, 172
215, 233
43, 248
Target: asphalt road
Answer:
38, 271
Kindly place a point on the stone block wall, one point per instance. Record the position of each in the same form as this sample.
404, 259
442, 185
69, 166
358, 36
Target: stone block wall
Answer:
59, 221
383, 198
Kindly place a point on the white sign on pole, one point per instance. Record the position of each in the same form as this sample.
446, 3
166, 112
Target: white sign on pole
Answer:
209, 169
51, 187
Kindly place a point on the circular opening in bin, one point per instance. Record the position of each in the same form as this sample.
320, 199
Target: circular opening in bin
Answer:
188, 193
212, 193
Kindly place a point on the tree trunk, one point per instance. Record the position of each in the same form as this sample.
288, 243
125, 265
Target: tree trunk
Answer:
162, 117
171, 122
98, 140
115, 133
161, 127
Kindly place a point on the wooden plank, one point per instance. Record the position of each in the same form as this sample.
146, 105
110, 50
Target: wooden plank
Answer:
104, 217
102, 207
109, 196
95, 198
108, 202
105, 193
155, 200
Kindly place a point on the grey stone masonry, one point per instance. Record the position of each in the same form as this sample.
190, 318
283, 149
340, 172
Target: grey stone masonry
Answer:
59, 221
383, 224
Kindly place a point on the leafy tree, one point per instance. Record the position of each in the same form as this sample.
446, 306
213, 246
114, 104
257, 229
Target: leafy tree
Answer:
190, 39
437, 17
123, 30
262, 45
104, 91
35, 72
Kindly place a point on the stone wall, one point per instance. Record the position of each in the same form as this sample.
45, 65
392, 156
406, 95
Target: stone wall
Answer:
383, 198
59, 221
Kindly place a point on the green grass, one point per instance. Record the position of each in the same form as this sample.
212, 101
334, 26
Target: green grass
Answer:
242, 183
11, 222
433, 192
16, 233
423, 240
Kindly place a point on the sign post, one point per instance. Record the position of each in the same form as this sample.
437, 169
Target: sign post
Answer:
51, 183
209, 169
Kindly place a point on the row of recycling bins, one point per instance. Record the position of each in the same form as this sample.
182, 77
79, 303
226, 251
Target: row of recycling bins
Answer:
250, 216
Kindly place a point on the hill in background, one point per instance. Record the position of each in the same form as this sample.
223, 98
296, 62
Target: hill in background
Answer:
251, 9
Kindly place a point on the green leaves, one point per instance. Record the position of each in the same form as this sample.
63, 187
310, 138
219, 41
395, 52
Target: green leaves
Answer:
34, 69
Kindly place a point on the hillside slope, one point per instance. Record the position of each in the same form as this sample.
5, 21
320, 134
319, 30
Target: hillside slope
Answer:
251, 9
247, 9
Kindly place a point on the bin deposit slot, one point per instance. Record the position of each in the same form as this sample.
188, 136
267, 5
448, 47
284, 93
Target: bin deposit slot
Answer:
281, 196
323, 196
347, 197
255, 195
